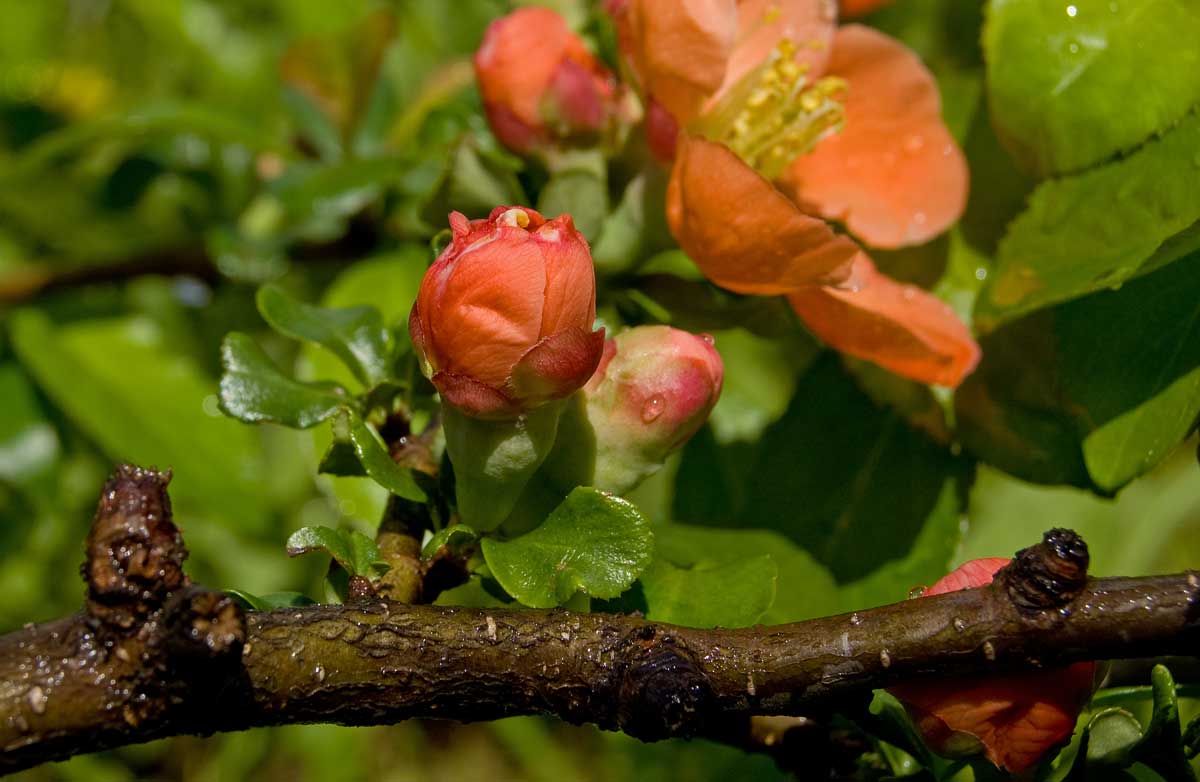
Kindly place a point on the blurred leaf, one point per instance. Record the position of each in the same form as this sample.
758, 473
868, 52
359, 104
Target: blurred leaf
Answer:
1110, 384
474, 182
1094, 230
254, 390
143, 402
637, 227
29, 445
1071, 86
581, 193
1112, 735
355, 335
353, 551
593, 542
271, 600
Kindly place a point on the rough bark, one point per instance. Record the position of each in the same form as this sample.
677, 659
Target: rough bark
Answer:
154, 656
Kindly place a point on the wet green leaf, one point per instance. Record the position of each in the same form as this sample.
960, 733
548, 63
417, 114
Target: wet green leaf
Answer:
453, 537
354, 334
1094, 230
353, 551
376, 461
1073, 84
254, 390
594, 543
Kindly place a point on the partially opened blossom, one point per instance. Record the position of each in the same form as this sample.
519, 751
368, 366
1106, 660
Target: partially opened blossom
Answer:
805, 123
539, 82
1013, 718
503, 319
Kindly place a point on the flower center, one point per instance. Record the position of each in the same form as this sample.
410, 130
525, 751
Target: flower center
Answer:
773, 114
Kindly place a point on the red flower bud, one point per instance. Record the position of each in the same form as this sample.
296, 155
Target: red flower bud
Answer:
654, 388
1014, 718
503, 319
540, 83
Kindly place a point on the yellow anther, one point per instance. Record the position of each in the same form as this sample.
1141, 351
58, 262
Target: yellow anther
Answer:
517, 218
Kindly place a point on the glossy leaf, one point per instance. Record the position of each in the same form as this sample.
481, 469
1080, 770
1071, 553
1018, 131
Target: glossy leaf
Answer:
354, 334
1091, 231
1110, 384
1074, 84
253, 389
454, 538
271, 600
594, 543
353, 551
378, 463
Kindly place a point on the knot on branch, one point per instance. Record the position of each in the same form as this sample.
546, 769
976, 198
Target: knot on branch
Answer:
1048, 575
135, 553
663, 691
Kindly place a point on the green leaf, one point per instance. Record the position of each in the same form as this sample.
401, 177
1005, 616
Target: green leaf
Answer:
1131, 361
1110, 384
1071, 85
579, 192
29, 445
142, 401
734, 594
636, 227
474, 182
1162, 748
593, 543
851, 483
760, 377
1112, 736
355, 334
353, 551
454, 537
378, 463
254, 390
803, 588
271, 600
1094, 230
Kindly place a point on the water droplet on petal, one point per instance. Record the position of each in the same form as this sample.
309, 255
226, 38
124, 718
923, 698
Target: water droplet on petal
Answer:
910, 292
708, 338
920, 218
653, 408
913, 144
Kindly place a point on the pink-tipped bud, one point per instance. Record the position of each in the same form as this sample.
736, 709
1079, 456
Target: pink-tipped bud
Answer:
503, 319
653, 390
1013, 718
540, 84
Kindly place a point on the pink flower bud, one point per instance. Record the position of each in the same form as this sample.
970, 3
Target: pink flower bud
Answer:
654, 388
539, 82
503, 319
1014, 718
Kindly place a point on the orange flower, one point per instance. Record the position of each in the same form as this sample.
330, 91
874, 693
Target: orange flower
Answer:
891, 173
503, 318
1014, 718
856, 8
539, 82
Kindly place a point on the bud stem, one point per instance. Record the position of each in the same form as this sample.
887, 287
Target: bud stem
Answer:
493, 460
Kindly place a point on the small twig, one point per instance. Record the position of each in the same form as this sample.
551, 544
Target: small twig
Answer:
86, 683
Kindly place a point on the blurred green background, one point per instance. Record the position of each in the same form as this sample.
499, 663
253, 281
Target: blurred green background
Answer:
159, 159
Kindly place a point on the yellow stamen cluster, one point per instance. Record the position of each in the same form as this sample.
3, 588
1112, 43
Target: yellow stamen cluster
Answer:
773, 115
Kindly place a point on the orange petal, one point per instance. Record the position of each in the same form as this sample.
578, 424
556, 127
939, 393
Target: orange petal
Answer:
741, 231
852, 9
900, 327
762, 24
678, 48
894, 174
